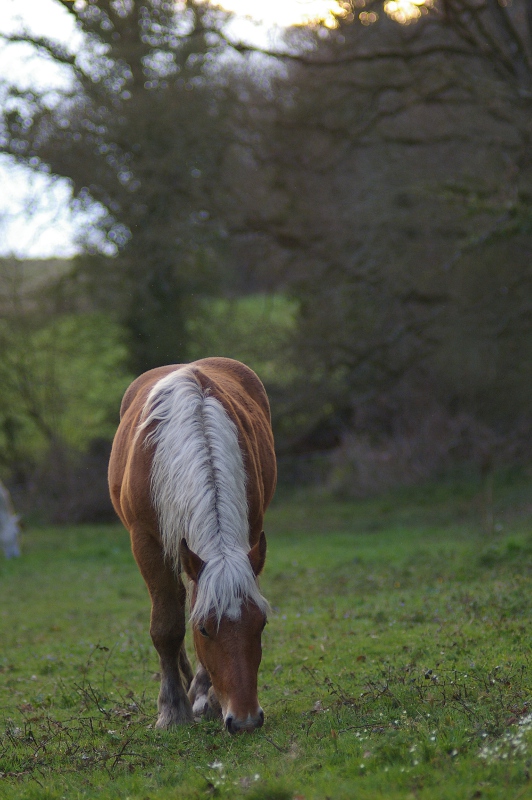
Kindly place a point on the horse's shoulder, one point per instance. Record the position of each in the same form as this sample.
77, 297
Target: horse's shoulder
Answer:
142, 385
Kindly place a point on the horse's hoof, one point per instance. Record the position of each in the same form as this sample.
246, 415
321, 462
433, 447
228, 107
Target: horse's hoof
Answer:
200, 707
167, 720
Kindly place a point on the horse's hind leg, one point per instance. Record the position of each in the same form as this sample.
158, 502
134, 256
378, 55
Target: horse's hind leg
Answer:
184, 666
167, 628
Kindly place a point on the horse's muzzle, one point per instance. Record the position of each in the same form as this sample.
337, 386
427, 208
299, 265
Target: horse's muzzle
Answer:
247, 725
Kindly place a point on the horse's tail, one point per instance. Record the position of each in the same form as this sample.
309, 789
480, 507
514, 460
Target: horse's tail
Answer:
198, 484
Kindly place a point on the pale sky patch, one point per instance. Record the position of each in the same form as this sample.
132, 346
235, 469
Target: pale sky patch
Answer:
284, 13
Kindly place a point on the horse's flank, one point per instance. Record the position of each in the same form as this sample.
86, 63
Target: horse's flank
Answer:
198, 484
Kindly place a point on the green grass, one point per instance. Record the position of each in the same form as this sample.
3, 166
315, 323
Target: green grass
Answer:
396, 662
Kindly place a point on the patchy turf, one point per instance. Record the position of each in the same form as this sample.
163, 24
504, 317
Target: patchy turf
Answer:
396, 662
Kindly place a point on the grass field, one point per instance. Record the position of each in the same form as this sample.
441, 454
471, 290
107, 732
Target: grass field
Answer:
396, 661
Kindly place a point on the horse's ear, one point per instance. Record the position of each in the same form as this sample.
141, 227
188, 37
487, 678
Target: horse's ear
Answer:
257, 555
191, 563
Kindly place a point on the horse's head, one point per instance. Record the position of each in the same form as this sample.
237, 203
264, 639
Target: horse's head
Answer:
230, 648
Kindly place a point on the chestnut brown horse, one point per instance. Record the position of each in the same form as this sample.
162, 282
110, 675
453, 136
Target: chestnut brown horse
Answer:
191, 474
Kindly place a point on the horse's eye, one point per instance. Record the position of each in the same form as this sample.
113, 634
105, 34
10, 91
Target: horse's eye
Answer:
203, 632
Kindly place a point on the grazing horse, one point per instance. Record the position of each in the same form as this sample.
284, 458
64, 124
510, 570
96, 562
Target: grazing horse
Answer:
191, 474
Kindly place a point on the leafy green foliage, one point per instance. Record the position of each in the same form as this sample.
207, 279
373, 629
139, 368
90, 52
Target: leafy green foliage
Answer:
62, 381
255, 329
395, 664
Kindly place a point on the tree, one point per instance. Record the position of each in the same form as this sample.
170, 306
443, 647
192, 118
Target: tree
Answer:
140, 135
374, 173
498, 33
62, 376
398, 159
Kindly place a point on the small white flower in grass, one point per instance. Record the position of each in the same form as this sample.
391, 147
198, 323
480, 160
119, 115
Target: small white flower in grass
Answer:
216, 765
511, 744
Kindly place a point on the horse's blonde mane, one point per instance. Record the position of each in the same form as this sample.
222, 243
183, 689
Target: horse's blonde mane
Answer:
198, 485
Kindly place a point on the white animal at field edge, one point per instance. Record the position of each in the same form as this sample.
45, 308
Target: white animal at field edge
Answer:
9, 525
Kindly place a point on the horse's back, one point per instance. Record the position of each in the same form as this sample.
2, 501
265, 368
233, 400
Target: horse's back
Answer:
215, 371
230, 374
243, 397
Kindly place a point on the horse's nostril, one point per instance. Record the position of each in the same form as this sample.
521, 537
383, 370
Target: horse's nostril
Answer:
229, 724
261, 718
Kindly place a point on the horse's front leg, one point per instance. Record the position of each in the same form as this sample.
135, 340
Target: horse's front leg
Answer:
167, 629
